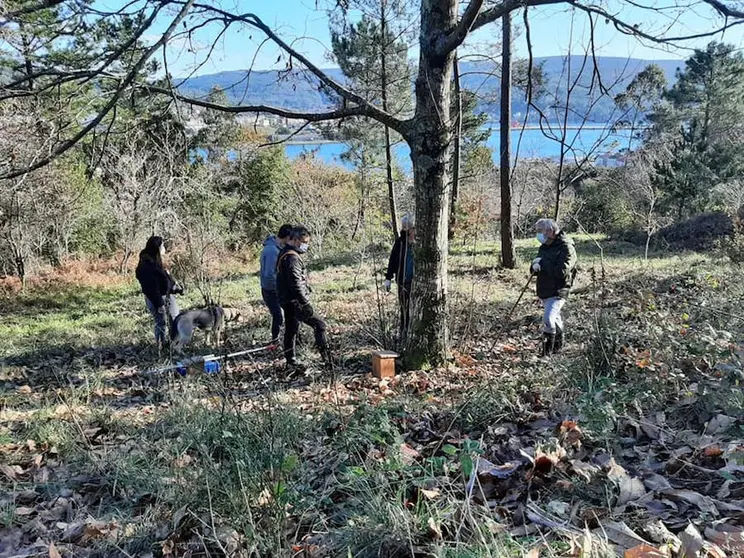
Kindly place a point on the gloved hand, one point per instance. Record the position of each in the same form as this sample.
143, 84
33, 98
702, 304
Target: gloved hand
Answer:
177, 290
536, 267
387, 284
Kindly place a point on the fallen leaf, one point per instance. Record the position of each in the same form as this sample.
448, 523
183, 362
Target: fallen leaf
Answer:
719, 423
53, 552
656, 483
25, 390
631, 489
24, 511
434, 529
11, 472
730, 540
704, 503
533, 552
644, 551
620, 534
429, 494
570, 434
561, 509
692, 542
713, 451
408, 455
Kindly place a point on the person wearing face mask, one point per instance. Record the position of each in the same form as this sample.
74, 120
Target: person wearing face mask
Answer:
555, 267
294, 297
158, 287
400, 267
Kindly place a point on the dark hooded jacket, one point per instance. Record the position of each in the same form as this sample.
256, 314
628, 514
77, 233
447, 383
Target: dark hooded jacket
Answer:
291, 280
155, 281
557, 265
400, 264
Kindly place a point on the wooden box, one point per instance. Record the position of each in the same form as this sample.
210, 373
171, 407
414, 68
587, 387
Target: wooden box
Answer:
383, 364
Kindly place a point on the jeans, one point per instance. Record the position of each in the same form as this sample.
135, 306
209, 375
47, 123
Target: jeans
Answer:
552, 320
272, 303
161, 327
404, 301
294, 314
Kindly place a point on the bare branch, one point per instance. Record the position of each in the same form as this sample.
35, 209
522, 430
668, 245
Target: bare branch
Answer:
125, 83
278, 111
457, 36
370, 109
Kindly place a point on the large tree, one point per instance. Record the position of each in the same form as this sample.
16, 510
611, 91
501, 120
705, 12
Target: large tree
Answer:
443, 26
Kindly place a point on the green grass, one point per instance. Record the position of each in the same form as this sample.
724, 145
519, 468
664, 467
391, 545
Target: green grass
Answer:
281, 465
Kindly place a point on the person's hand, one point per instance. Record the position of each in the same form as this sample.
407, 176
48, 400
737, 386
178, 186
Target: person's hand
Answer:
536, 267
387, 284
177, 290
161, 310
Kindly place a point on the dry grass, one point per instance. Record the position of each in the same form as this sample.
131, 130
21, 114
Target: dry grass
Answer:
103, 460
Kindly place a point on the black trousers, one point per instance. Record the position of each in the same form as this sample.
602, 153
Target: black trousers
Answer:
293, 315
404, 301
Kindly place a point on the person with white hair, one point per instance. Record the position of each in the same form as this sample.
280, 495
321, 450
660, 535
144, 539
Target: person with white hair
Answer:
400, 267
555, 267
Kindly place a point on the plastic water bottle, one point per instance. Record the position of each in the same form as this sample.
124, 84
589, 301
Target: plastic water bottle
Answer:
211, 366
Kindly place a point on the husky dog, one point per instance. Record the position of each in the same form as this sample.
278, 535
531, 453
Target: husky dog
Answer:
211, 320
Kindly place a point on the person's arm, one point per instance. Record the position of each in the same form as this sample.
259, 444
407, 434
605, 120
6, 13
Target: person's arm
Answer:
293, 268
568, 258
394, 261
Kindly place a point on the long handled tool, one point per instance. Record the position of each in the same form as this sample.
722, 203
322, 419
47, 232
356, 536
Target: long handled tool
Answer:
210, 363
511, 311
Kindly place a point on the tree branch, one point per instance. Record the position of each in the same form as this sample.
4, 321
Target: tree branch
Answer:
126, 82
457, 36
29, 9
268, 109
370, 109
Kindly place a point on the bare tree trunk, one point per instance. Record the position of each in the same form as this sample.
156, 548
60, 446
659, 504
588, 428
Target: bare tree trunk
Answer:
388, 150
508, 255
457, 149
429, 137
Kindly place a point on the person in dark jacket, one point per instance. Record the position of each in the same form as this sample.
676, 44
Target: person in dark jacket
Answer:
555, 267
158, 287
294, 297
272, 246
400, 267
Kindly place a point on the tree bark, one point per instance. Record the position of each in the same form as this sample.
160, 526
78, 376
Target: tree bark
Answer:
388, 150
429, 136
456, 150
508, 255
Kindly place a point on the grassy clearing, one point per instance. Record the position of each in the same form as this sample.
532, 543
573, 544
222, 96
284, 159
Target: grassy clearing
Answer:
496, 455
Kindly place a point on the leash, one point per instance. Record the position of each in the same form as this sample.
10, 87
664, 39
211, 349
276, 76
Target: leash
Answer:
511, 311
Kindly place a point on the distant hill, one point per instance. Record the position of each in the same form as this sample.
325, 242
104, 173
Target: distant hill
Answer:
298, 90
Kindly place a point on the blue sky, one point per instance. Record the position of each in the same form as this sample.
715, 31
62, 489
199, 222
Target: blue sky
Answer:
554, 31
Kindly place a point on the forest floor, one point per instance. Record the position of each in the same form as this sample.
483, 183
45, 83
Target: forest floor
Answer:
630, 443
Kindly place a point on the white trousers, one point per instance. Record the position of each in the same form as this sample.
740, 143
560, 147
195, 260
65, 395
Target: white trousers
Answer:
552, 319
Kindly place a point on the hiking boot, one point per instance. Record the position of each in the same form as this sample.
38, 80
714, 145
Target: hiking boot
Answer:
548, 344
558, 340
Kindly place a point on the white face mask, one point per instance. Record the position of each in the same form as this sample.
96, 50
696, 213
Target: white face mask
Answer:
302, 248
541, 238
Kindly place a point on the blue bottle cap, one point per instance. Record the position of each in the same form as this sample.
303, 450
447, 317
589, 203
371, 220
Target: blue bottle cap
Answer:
211, 366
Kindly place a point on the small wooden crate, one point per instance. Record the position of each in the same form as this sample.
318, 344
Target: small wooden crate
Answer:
383, 364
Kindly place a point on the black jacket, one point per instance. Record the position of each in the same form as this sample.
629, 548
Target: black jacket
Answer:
557, 264
291, 281
155, 281
397, 262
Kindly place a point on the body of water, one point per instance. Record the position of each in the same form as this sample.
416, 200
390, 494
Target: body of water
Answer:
527, 144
